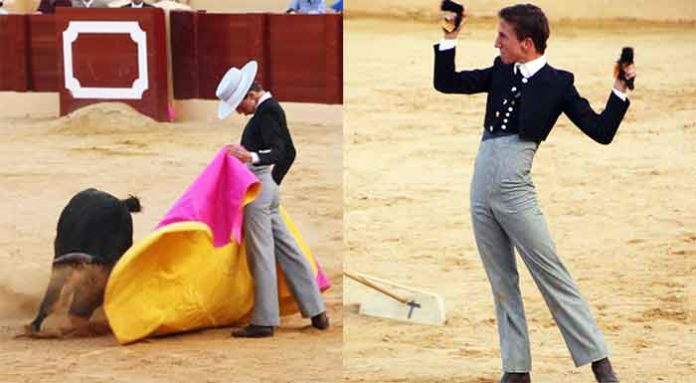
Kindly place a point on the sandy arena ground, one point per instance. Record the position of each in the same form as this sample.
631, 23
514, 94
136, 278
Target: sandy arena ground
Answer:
622, 216
44, 161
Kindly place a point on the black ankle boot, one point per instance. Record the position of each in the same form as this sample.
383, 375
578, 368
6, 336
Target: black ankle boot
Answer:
603, 371
516, 377
253, 331
320, 321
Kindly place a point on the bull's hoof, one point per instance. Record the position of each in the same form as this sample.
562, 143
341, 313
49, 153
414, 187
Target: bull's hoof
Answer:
82, 328
34, 326
26, 332
29, 331
100, 328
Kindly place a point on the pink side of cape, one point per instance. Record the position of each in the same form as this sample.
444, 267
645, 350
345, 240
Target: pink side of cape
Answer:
215, 198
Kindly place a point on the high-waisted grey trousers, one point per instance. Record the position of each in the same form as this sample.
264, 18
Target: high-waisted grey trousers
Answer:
268, 241
505, 217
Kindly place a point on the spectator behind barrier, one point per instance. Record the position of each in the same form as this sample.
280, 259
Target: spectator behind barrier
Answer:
169, 5
90, 3
164, 4
137, 4
338, 6
3, 11
307, 6
49, 6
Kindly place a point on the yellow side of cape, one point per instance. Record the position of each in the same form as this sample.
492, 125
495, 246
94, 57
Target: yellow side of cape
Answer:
175, 280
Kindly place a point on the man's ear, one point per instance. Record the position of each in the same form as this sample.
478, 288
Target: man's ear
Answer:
528, 44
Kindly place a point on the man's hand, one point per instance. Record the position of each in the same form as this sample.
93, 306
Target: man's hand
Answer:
240, 152
630, 71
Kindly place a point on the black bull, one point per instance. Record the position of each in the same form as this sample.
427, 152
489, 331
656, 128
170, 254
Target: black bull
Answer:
94, 230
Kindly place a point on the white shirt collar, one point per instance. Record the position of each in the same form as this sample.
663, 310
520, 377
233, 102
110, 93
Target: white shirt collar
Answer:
263, 98
134, 5
530, 68
88, 3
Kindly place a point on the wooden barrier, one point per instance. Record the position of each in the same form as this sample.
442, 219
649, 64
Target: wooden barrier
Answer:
300, 56
113, 55
13, 53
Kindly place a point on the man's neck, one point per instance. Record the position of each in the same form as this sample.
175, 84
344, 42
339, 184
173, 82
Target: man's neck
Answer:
263, 96
530, 57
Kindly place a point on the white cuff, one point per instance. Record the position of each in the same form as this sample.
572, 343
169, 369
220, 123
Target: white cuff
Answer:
619, 94
254, 157
447, 44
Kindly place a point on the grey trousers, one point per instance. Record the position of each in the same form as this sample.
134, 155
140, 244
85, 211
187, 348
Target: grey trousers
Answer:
506, 216
268, 241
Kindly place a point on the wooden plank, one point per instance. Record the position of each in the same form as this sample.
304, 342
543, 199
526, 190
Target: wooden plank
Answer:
333, 40
13, 50
43, 54
306, 57
227, 40
184, 30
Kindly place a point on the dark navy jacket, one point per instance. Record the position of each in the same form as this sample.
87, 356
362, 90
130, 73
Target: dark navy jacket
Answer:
549, 93
267, 134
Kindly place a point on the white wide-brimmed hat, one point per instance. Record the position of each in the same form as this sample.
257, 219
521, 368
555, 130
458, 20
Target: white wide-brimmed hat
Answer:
234, 86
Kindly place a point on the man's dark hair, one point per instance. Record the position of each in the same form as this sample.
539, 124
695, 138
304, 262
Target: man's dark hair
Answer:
528, 20
254, 87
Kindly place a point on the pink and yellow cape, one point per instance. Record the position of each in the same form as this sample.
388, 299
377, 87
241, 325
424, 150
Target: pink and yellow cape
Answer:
192, 271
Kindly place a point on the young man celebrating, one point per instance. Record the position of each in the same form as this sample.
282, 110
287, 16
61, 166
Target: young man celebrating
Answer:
525, 98
268, 151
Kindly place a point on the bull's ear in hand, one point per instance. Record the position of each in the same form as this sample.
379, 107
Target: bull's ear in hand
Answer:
453, 15
448, 24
